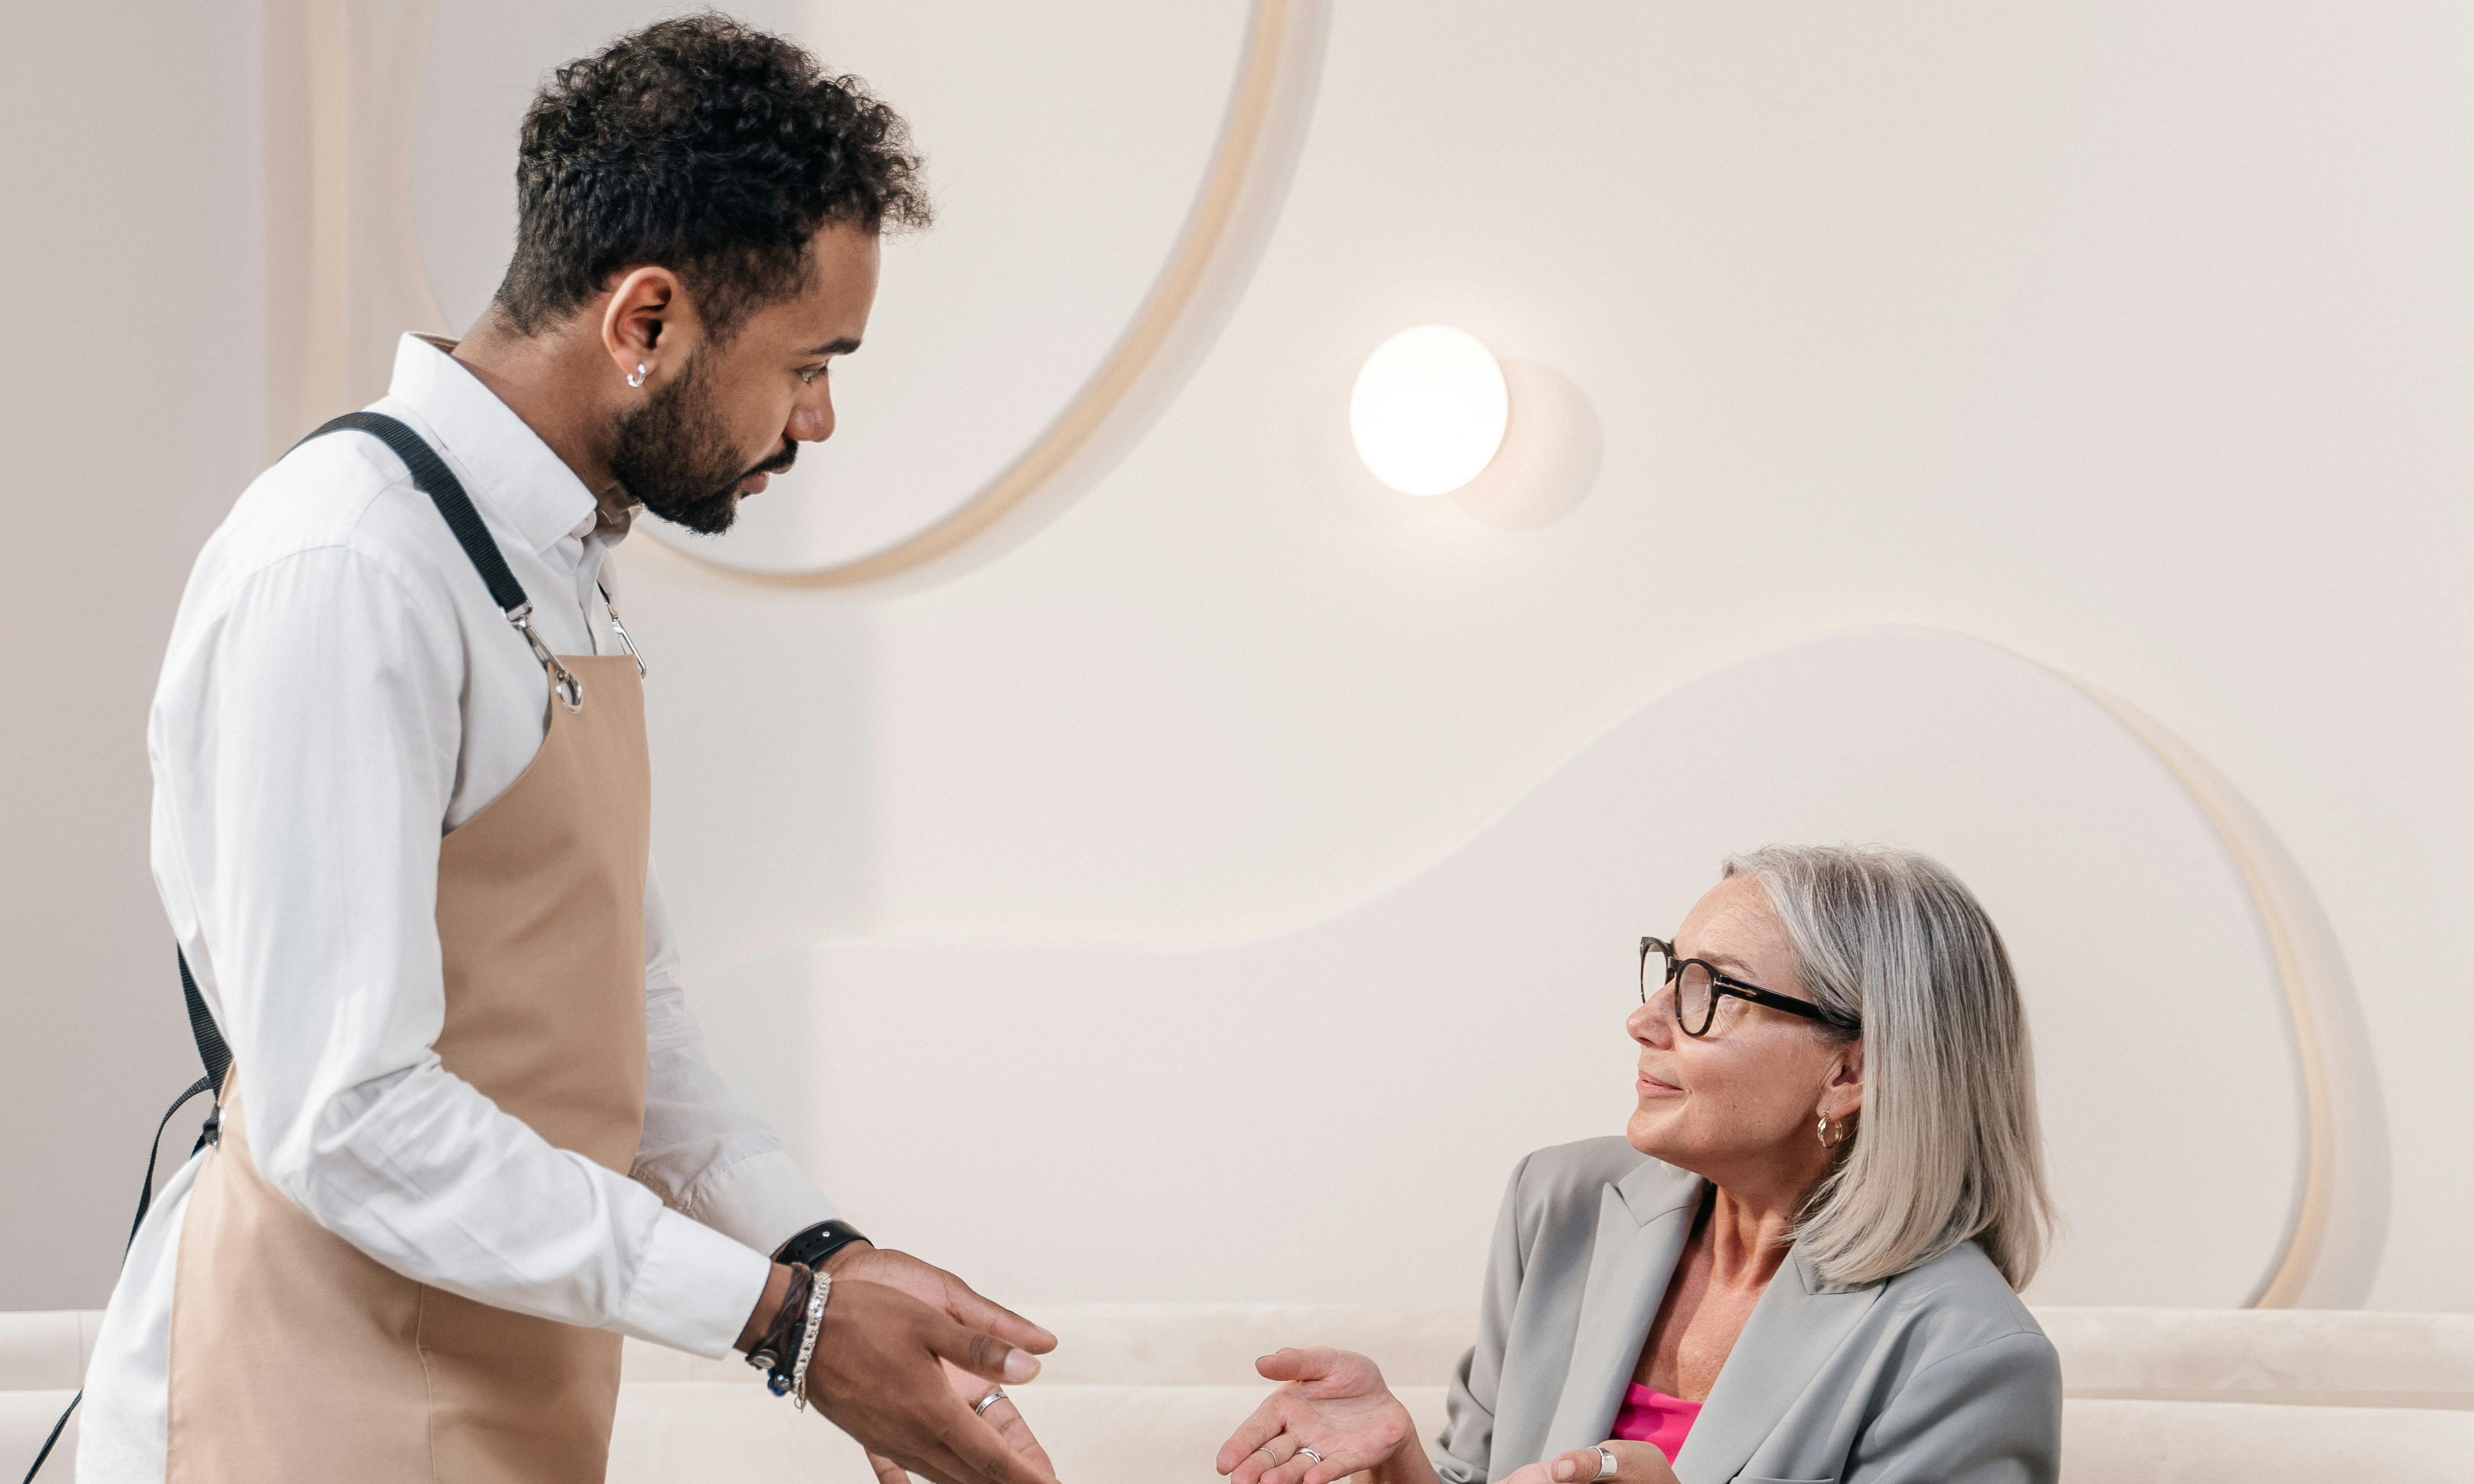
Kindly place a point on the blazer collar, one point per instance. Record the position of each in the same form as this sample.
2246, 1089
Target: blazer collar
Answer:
1642, 1222
1798, 1323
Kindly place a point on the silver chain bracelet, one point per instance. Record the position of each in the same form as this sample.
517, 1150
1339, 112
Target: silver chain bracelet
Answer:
807, 1340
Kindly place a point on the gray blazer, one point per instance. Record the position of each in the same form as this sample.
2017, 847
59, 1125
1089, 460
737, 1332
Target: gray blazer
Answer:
1937, 1377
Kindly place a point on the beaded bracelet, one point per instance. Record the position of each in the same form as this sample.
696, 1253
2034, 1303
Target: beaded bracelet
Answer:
771, 1352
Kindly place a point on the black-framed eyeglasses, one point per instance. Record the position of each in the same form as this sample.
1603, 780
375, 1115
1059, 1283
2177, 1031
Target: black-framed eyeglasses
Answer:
1699, 987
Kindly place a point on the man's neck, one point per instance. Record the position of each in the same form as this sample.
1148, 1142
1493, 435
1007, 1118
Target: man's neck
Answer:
543, 378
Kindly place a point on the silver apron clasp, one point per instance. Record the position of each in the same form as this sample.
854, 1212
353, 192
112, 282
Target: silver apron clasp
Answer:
570, 690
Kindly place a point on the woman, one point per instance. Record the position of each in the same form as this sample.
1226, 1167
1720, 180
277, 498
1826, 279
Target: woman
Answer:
1800, 1264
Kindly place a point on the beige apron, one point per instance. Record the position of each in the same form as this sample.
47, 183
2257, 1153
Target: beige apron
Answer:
294, 1358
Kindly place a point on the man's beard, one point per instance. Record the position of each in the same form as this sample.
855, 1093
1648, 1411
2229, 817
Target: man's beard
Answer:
674, 456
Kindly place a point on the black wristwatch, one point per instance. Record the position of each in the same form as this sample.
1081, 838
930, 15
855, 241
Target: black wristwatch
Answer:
818, 1242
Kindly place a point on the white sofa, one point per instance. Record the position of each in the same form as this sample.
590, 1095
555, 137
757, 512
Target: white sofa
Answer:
1146, 1393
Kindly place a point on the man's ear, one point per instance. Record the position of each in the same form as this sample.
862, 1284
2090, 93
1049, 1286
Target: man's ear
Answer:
641, 324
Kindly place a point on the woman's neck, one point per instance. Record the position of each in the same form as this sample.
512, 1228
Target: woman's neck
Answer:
1747, 1235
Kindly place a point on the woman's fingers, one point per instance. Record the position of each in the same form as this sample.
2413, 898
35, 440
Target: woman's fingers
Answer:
1635, 1463
1321, 1373
1292, 1364
1265, 1424
1258, 1465
1303, 1467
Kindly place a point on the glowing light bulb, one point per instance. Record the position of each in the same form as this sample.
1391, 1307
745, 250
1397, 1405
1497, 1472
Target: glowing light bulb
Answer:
1429, 410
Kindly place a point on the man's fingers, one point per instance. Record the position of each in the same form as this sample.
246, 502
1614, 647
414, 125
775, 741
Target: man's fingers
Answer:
968, 1307
887, 1471
981, 1457
982, 1354
1008, 1420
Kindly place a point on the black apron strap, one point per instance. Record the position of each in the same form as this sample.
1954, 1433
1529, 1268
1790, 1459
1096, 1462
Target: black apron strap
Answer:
433, 478
217, 1057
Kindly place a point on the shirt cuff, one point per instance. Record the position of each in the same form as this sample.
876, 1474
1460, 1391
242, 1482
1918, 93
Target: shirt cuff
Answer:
694, 1289
764, 1201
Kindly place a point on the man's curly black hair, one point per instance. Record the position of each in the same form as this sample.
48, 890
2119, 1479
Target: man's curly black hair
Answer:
704, 146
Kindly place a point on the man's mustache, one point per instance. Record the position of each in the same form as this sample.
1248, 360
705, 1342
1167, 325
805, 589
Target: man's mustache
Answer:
775, 464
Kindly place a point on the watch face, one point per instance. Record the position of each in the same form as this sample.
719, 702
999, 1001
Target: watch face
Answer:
820, 1242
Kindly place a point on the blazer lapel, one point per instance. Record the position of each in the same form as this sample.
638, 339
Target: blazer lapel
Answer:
1642, 1222
1794, 1329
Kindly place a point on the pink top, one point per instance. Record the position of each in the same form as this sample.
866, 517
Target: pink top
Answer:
1656, 1419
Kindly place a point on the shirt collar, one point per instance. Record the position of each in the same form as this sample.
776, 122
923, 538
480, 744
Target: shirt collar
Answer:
514, 472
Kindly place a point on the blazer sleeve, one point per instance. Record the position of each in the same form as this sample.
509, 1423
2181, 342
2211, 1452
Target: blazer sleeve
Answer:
1467, 1439
1988, 1414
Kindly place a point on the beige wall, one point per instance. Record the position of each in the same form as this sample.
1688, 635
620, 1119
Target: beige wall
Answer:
2134, 340
130, 416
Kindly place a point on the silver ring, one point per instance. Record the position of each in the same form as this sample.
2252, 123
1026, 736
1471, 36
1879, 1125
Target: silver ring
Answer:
980, 1408
1606, 1462
1304, 1452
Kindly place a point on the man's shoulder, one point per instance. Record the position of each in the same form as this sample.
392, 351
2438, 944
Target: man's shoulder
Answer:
344, 495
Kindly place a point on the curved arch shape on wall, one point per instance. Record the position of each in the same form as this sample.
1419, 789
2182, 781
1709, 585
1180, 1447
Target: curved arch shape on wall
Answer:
346, 276
2154, 911
2340, 1221
1181, 317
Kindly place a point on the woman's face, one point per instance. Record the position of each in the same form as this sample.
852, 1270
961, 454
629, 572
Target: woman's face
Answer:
1739, 1104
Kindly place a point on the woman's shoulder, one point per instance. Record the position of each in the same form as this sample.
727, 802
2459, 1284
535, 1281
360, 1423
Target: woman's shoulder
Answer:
1566, 1179
1957, 1302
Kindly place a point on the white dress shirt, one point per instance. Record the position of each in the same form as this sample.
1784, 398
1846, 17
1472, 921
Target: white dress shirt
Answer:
338, 694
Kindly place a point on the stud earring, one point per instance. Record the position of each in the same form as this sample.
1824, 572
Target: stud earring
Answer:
638, 379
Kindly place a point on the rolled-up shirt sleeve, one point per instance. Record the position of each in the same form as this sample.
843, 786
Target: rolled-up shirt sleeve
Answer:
702, 1153
314, 725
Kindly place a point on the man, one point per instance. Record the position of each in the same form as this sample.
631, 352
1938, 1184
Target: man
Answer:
470, 1138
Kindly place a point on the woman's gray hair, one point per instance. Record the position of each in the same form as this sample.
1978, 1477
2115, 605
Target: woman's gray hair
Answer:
1945, 1147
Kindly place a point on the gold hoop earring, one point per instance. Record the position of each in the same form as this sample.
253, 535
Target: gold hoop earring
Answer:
1825, 1131
638, 379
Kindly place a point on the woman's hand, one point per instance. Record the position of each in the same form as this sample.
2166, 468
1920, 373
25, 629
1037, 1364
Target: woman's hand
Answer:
1635, 1463
1334, 1402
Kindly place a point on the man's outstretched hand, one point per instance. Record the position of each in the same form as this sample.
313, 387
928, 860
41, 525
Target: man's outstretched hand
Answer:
932, 1432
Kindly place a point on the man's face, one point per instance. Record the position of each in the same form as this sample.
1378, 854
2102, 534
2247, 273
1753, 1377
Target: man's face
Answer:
735, 415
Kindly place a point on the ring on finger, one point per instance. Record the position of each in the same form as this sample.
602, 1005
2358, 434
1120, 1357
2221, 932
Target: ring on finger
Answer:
1606, 1469
1304, 1452
996, 1393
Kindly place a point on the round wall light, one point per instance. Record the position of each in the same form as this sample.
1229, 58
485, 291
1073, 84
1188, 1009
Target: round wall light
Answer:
1429, 410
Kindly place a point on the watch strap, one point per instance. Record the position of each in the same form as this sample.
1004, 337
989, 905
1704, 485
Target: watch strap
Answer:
813, 1245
